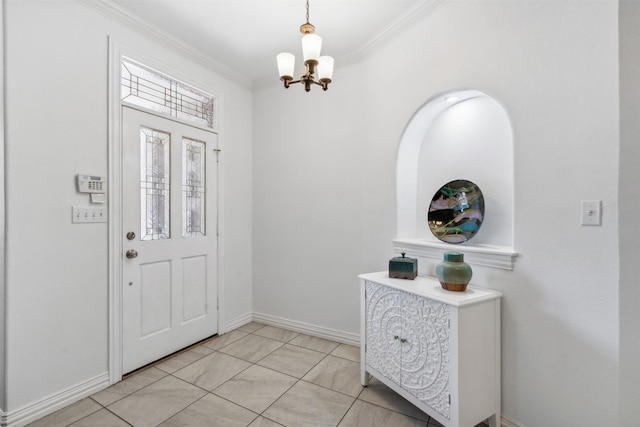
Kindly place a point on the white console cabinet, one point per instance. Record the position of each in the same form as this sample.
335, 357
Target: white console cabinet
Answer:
438, 349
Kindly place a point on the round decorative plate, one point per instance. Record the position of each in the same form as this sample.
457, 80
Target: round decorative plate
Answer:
456, 211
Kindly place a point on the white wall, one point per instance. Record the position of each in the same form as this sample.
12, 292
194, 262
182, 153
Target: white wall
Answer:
308, 190
324, 189
57, 273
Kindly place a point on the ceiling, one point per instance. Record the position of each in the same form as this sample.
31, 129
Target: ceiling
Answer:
246, 35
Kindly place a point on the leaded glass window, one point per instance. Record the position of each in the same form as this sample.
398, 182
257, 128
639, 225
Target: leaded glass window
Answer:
193, 188
154, 184
149, 89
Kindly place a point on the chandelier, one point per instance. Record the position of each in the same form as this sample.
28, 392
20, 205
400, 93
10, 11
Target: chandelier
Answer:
313, 62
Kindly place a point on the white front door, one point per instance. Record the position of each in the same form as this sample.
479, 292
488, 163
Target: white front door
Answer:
169, 223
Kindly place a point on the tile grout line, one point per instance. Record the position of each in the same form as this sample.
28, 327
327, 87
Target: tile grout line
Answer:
298, 380
326, 355
203, 344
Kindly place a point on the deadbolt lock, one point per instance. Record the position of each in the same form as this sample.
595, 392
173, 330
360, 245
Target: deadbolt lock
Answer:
131, 235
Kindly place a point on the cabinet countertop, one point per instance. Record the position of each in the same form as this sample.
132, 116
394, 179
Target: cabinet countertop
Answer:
430, 287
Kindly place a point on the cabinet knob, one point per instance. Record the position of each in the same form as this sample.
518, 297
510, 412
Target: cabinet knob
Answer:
395, 337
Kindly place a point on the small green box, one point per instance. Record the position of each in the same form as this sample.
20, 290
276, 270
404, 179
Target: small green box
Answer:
403, 267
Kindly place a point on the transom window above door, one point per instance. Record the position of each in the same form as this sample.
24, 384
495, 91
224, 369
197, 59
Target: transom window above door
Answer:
150, 89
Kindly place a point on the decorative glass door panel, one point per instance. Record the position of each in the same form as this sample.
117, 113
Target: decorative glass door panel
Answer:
193, 188
155, 191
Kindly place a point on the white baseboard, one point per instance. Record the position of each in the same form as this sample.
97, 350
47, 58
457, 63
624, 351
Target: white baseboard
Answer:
510, 422
306, 328
236, 323
36, 410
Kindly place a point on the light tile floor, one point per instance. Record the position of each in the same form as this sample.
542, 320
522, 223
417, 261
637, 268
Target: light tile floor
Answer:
257, 376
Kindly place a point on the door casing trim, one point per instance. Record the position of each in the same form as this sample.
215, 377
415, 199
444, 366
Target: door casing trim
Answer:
114, 189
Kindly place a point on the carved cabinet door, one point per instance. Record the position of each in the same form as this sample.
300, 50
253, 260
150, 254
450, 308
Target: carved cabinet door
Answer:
384, 323
408, 342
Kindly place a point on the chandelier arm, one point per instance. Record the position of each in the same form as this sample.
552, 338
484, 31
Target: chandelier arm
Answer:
308, 81
289, 82
324, 83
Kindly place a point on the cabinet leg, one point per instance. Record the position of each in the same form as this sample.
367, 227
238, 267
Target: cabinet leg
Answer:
364, 377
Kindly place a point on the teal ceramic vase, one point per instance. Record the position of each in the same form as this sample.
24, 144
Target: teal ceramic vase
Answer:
453, 273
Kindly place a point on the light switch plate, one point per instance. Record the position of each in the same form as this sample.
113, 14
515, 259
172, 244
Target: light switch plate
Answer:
591, 212
88, 214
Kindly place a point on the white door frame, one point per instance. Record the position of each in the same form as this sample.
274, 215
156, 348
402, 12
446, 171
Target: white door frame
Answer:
3, 225
115, 205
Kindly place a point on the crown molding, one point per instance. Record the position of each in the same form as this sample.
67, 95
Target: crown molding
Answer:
122, 16
114, 12
399, 26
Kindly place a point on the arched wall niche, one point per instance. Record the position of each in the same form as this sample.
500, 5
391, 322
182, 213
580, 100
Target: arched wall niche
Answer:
457, 135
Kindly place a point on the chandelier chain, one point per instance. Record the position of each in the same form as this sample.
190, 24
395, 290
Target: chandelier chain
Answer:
307, 11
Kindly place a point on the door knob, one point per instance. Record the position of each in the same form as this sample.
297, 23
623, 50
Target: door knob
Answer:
131, 254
